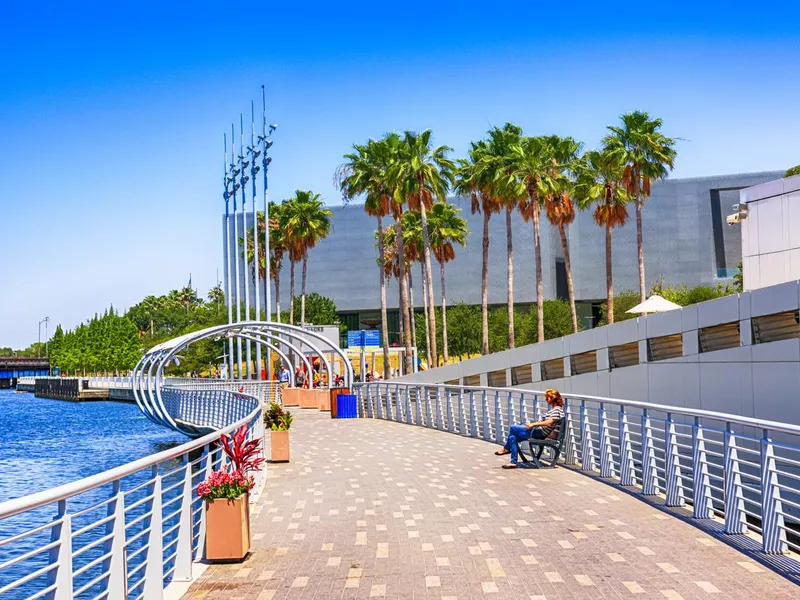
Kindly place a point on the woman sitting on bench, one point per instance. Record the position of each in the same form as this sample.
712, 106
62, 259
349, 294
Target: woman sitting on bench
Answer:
538, 430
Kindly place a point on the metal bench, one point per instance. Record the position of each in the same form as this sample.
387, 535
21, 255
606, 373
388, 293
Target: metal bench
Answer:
555, 445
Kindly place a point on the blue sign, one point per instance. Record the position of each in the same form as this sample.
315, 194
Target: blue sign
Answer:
356, 339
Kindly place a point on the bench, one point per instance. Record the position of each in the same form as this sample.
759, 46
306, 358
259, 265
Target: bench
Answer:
556, 445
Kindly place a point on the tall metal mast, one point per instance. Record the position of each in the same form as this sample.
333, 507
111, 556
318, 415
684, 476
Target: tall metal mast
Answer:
254, 168
226, 230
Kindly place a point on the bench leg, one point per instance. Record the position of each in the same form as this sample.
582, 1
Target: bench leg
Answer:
537, 456
521, 453
556, 454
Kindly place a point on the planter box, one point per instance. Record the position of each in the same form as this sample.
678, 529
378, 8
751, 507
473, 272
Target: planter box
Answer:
308, 398
228, 529
291, 396
279, 446
325, 400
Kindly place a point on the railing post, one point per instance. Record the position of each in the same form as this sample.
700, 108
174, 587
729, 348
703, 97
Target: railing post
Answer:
154, 571
449, 410
570, 442
512, 417
523, 410
61, 556
485, 406
418, 398
183, 549
208, 468
389, 413
370, 411
672, 464
409, 416
473, 415
439, 417
649, 475
735, 519
461, 417
587, 444
378, 401
115, 565
772, 533
627, 473
399, 406
701, 482
498, 419
606, 451
428, 414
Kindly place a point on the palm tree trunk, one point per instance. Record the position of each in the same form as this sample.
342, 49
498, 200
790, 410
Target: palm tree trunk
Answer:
427, 280
639, 240
609, 280
403, 293
412, 321
537, 249
427, 320
278, 295
485, 287
510, 268
444, 316
303, 292
384, 317
291, 293
570, 289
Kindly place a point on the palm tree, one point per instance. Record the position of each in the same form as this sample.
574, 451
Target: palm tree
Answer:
531, 174
473, 179
558, 206
424, 173
412, 248
277, 249
446, 228
646, 154
600, 184
307, 222
364, 173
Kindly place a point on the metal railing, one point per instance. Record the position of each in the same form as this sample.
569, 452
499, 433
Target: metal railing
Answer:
125, 533
743, 472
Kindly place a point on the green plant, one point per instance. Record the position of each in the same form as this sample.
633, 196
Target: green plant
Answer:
277, 419
793, 171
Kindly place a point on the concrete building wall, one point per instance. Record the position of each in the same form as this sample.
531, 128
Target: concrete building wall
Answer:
771, 233
685, 240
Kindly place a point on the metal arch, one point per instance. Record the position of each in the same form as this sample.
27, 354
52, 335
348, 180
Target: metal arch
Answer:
279, 352
135, 379
302, 354
157, 400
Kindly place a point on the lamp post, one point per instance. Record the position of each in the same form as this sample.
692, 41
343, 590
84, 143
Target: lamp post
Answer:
266, 143
46, 320
254, 169
226, 235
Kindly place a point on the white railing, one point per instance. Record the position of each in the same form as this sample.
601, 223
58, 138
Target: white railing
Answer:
265, 391
744, 472
126, 533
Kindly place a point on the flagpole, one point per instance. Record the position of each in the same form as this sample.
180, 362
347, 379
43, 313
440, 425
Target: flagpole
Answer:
256, 271
245, 280
226, 254
265, 166
236, 253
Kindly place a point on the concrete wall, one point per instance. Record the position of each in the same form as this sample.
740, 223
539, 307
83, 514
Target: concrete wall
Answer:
679, 235
771, 233
753, 379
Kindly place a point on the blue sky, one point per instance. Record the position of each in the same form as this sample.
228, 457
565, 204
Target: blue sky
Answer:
112, 116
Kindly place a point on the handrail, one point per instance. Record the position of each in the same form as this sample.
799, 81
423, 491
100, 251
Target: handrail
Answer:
690, 412
720, 464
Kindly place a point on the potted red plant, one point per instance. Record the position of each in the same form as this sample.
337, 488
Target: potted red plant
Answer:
278, 421
226, 496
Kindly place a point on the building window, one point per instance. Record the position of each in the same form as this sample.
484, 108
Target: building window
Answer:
552, 369
719, 337
664, 347
585, 362
472, 380
624, 355
774, 328
496, 378
521, 375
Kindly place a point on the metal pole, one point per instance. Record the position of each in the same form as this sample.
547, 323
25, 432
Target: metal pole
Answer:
257, 271
245, 280
236, 254
39, 341
265, 166
46, 339
226, 256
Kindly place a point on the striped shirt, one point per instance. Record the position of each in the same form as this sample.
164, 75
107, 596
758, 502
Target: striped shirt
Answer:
557, 413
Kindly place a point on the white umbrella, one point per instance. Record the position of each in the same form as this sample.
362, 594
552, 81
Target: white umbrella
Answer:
654, 304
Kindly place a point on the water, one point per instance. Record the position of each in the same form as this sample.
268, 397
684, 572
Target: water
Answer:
46, 443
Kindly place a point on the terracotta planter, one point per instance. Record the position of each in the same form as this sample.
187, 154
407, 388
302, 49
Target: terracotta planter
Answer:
308, 398
279, 444
325, 400
228, 529
291, 396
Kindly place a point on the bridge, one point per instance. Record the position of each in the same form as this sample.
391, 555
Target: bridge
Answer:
14, 367
409, 501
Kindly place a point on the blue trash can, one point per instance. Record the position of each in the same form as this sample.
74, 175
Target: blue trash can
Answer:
346, 406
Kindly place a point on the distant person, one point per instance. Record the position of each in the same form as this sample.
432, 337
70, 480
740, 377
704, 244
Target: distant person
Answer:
284, 377
538, 430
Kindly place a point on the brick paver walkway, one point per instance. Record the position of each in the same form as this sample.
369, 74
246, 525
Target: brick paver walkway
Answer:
371, 509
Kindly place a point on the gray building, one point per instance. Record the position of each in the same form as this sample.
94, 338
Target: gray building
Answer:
686, 240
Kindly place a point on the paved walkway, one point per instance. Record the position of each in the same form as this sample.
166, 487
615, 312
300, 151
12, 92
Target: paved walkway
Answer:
371, 509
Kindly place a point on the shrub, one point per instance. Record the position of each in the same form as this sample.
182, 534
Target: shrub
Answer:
793, 171
277, 419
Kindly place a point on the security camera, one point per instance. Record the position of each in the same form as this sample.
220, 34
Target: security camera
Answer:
734, 219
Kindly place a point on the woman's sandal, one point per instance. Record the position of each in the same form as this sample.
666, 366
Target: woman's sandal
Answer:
510, 466
502, 452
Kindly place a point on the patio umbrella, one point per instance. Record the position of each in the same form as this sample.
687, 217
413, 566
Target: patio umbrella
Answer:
654, 304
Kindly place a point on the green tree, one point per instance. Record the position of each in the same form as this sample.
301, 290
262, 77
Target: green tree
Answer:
792, 172
647, 155
599, 186
320, 310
